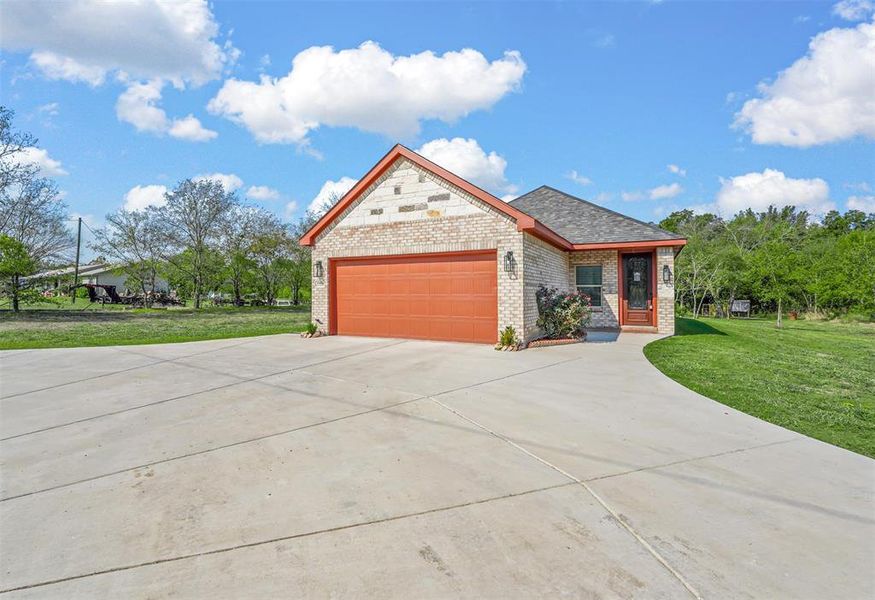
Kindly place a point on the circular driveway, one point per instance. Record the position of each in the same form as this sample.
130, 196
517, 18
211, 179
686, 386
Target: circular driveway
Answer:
355, 467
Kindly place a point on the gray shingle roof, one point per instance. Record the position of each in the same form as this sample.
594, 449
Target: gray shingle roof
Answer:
582, 222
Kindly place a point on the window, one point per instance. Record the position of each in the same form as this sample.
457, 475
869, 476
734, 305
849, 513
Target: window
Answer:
589, 282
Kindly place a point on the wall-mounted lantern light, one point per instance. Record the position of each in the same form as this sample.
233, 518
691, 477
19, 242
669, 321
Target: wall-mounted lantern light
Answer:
509, 262
666, 274
317, 269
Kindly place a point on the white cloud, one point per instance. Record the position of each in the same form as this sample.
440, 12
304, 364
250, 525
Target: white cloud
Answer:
860, 186
229, 181
51, 109
368, 88
62, 67
149, 39
290, 209
142, 196
758, 191
854, 10
676, 170
826, 96
665, 191
145, 44
190, 128
330, 192
262, 192
48, 166
138, 106
468, 160
606, 40
660, 192
578, 178
863, 203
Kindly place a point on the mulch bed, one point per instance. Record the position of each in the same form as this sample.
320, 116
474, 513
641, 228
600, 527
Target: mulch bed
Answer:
555, 342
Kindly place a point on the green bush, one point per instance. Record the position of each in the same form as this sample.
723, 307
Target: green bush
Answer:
562, 314
311, 328
508, 337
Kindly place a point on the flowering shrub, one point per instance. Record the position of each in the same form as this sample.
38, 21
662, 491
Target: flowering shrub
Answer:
562, 314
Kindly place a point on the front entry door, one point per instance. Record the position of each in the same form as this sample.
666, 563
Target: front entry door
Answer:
637, 289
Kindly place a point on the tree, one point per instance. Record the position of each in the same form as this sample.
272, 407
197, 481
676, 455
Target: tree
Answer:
191, 224
238, 236
15, 263
271, 252
301, 257
132, 238
32, 215
12, 145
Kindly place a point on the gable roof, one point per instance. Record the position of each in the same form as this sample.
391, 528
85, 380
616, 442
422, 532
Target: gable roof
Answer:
524, 221
583, 223
548, 214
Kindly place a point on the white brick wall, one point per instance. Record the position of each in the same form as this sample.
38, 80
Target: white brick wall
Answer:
542, 265
445, 218
665, 293
426, 194
477, 227
609, 313
549, 266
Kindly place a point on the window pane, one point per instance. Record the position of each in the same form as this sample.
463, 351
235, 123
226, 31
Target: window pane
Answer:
589, 275
594, 293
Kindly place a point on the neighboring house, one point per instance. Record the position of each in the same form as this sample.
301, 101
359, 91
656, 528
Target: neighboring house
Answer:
414, 251
97, 273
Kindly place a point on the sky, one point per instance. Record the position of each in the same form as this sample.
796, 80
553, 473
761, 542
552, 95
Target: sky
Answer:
644, 108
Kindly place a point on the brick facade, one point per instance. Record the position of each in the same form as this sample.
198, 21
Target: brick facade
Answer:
420, 230
409, 210
608, 315
664, 292
542, 265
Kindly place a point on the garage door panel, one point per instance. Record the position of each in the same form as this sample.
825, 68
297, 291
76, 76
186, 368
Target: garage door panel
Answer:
441, 297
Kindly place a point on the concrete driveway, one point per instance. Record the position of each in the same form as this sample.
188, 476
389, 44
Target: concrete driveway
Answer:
344, 467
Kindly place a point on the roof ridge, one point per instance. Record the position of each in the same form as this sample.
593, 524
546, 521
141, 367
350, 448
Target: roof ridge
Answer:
600, 207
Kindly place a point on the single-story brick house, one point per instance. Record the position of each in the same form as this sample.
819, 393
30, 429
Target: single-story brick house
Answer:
414, 251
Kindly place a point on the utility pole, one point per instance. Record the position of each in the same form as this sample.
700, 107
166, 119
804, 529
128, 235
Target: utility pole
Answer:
76, 268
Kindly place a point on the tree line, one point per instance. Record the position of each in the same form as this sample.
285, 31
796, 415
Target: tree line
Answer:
33, 218
202, 239
780, 260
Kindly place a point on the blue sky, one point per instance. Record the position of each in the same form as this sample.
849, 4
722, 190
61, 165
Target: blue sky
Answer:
597, 99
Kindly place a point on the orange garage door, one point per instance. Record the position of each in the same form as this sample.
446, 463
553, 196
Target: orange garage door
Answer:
428, 296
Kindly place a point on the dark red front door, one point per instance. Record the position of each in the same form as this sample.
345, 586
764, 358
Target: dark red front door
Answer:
637, 289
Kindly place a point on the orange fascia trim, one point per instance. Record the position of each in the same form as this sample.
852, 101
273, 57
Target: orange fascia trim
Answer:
524, 221
629, 245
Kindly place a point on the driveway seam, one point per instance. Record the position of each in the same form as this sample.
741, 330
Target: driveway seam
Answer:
183, 396
208, 450
628, 527
287, 538
151, 364
276, 434
685, 461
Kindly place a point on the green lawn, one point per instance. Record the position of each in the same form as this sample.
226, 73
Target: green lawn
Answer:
64, 328
817, 378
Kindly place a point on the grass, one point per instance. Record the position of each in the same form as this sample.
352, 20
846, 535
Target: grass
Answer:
812, 377
65, 328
